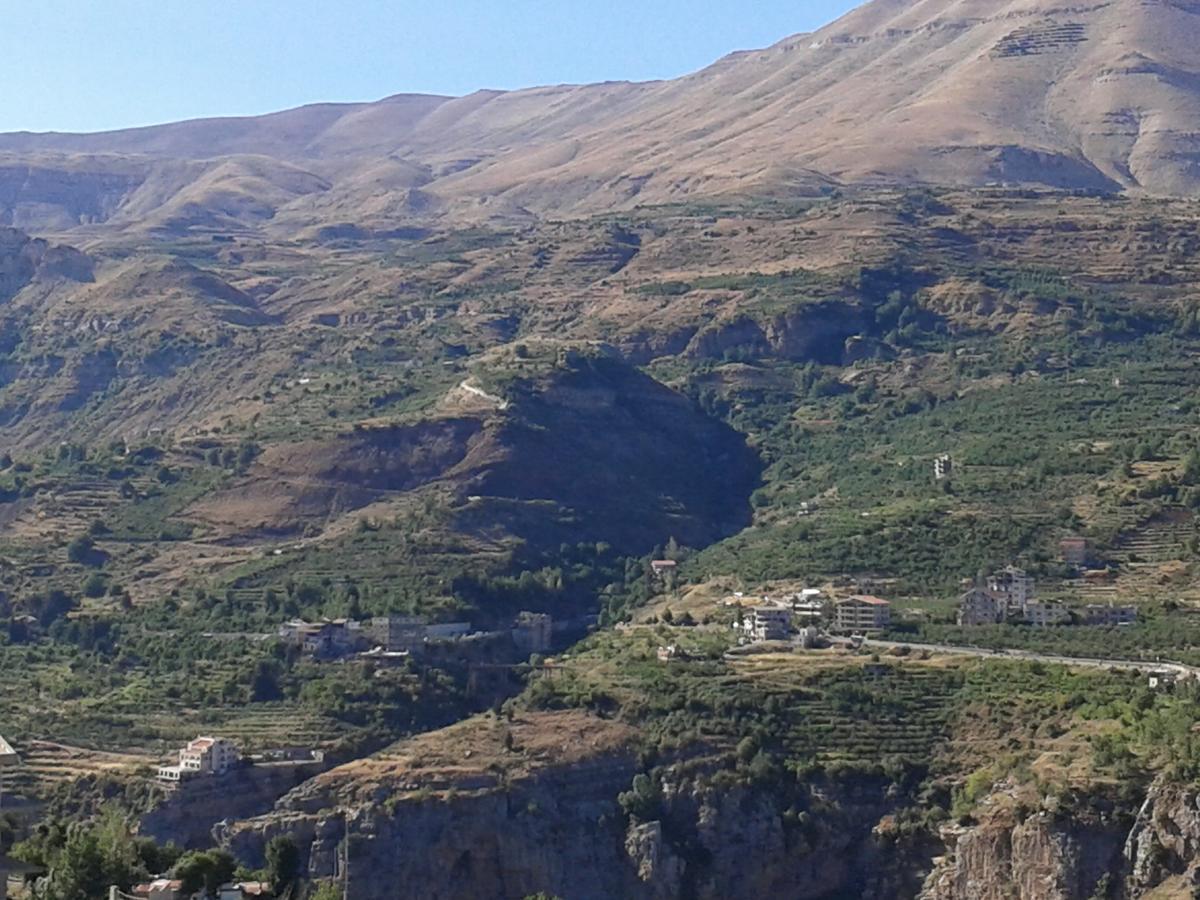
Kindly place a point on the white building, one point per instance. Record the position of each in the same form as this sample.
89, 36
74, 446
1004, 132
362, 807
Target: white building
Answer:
160, 889
862, 613
809, 607
1043, 615
943, 467
768, 623
1015, 586
1109, 614
203, 756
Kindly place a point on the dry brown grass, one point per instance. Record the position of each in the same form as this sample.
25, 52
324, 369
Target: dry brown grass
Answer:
483, 751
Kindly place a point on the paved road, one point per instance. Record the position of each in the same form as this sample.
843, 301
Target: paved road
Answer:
1160, 667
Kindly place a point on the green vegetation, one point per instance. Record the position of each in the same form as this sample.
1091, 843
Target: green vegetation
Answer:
974, 324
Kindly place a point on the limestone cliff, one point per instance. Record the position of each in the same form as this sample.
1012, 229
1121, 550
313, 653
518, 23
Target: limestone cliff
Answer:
188, 815
1042, 857
504, 809
545, 816
1102, 847
1164, 844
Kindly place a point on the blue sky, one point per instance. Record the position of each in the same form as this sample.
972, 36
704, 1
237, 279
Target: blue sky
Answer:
88, 65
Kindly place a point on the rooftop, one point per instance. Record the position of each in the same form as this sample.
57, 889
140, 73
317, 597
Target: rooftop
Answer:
161, 884
866, 598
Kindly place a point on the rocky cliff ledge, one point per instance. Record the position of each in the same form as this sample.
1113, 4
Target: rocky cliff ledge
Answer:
1099, 847
493, 808
506, 808
188, 815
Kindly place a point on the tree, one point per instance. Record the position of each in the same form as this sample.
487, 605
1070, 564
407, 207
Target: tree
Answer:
644, 800
80, 550
264, 685
205, 871
283, 863
85, 858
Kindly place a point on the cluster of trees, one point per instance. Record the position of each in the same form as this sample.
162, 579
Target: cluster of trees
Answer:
83, 859
237, 458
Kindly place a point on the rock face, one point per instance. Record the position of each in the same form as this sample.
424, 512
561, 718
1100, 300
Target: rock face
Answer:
24, 259
558, 831
1040, 858
1165, 840
562, 831
817, 332
187, 817
1099, 850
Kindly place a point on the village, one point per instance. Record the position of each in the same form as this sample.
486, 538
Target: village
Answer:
212, 772
214, 778
814, 617
395, 639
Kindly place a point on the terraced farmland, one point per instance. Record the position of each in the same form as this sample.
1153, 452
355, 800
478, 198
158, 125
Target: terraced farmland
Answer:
45, 764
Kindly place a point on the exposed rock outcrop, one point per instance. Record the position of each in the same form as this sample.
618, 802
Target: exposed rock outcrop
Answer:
188, 816
816, 332
1042, 857
24, 259
1165, 840
422, 820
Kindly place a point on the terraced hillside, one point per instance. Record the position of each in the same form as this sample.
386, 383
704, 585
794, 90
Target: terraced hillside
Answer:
678, 769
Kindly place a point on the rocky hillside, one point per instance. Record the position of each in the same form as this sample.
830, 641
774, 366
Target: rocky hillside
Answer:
1026, 92
619, 775
580, 448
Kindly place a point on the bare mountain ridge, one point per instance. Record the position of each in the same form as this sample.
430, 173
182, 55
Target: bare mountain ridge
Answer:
1089, 95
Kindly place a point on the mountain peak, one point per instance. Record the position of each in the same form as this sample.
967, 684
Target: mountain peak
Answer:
1100, 96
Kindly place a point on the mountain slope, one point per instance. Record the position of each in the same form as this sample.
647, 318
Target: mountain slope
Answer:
1104, 95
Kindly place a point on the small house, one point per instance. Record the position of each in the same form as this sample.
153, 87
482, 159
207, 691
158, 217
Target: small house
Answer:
205, 756
1075, 551
769, 623
1015, 586
161, 889
1043, 615
14, 868
809, 607
943, 467
533, 632
1109, 614
982, 606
